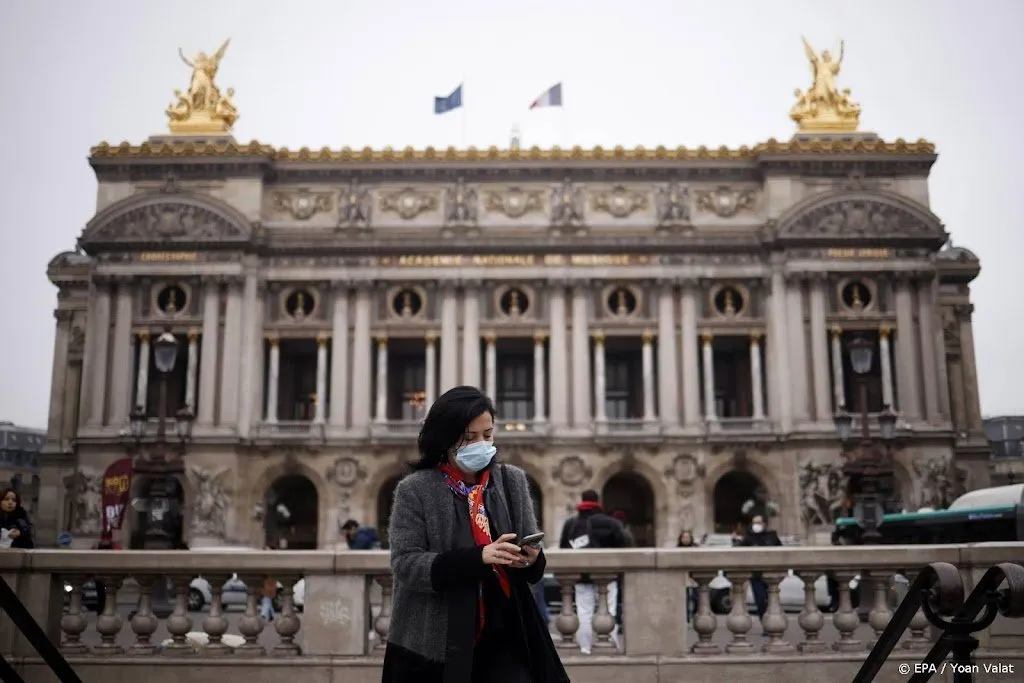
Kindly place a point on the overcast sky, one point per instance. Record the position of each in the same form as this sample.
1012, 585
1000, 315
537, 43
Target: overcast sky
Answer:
348, 73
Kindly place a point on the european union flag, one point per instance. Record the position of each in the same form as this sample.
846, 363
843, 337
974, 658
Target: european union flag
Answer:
443, 105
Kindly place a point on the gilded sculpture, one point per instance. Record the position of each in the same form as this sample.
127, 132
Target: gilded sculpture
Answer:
203, 110
824, 108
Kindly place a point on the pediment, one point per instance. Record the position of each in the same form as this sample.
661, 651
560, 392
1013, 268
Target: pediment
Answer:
167, 218
874, 215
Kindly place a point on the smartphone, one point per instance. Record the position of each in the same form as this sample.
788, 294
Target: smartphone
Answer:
532, 540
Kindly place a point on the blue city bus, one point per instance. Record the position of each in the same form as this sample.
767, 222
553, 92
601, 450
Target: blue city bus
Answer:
992, 514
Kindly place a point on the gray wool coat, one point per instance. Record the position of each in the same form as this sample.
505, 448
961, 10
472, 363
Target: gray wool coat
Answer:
423, 525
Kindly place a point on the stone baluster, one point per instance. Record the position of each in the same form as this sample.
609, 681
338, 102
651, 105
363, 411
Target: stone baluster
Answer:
705, 623
73, 623
567, 622
179, 623
880, 614
287, 624
775, 621
215, 624
918, 639
845, 619
251, 624
739, 622
109, 622
604, 622
144, 623
382, 624
811, 620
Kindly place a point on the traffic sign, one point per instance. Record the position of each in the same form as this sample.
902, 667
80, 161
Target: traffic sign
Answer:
64, 539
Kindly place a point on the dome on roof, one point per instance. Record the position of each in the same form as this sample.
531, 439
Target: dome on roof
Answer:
68, 258
958, 254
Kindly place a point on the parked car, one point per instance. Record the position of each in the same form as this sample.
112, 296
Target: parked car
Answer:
233, 593
791, 593
90, 598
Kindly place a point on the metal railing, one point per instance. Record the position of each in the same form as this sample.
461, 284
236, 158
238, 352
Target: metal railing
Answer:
939, 591
23, 621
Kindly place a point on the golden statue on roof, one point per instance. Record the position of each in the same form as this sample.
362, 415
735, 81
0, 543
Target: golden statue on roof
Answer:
824, 108
203, 110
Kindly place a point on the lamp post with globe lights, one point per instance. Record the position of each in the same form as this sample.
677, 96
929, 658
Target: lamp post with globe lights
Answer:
158, 460
869, 460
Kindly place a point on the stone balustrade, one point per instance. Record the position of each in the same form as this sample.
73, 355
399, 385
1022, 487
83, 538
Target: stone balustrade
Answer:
341, 632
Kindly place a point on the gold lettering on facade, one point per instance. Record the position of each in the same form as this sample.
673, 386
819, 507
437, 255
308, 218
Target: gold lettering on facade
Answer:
859, 253
513, 260
169, 256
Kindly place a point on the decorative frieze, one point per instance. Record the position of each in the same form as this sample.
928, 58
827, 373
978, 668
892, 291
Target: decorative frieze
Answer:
726, 202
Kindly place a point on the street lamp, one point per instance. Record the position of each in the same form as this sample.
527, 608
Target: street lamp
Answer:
868, 459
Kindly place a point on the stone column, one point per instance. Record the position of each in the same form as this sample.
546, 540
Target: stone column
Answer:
491, 366
972, 402
539, 378
320, 409
121, 358
756, 376
819, 351
885, 363
581, 386
838, 388
362, 360
192, 371
273, 379
339, 358
929, 366
779, 387
939, 344
59, 377
559, 367
600, 414
252, 343
381, 416
647, 374
906, 365
690, 356
100, 330
449, 339
797, 338
142, 376
430, 370
668, 373
208, 354
710, 413
471, 337
231, 355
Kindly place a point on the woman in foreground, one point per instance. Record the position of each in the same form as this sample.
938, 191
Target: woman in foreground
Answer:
463, 609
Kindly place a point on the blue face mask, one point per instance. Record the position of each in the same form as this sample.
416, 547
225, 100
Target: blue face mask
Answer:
476, 456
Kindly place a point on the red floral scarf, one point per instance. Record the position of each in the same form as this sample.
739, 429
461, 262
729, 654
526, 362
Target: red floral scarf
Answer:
481, 526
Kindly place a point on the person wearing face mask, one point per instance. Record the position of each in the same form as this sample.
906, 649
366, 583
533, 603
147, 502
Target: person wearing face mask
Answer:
462, 605
759, 536
15, 526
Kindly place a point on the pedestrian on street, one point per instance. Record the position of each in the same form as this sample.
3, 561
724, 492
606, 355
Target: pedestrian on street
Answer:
360, 538
15, 525
463, 609
759, 536
685, 540
591, 528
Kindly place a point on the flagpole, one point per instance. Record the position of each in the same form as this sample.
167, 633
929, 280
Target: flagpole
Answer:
463, 111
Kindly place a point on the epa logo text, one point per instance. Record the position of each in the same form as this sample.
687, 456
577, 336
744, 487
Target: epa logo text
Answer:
956, 668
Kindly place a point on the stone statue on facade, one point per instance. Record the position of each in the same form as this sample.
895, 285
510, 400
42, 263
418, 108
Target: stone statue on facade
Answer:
822, 493
823, 108
567, 206
460, 205
85, 487
211, 502
203, 109
355, 207
941, 482
673, 205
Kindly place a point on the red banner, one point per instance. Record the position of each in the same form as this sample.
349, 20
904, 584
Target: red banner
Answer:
117, 485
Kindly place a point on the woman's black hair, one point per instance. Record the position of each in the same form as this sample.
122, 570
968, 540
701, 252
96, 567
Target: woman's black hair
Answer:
446, 422
17, 496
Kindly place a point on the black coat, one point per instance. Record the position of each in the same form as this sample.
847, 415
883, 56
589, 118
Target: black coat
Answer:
18, 519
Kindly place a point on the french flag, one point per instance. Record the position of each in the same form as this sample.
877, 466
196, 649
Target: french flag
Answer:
552, 97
